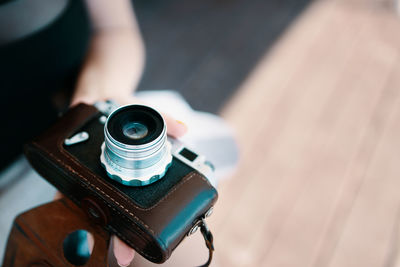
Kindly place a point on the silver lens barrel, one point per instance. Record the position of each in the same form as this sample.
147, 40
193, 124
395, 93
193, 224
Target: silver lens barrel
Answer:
135, 151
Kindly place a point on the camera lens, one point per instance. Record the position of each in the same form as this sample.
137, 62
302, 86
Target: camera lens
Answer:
135, 150
135, 125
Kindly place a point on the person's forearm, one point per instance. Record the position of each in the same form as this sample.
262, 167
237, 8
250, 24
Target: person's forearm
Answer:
115, 59
113, 66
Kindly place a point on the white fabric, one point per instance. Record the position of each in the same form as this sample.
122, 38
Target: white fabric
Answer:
208, 134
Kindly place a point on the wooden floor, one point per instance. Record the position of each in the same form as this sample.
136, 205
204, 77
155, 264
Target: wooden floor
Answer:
205, 49
318, 122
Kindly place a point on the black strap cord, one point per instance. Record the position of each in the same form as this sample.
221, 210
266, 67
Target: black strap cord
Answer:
208, 237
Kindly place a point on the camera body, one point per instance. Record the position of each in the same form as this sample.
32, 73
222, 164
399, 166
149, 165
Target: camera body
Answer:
151, 213
136, 150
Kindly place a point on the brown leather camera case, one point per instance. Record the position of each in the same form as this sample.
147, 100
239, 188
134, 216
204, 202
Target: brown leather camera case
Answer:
153, 230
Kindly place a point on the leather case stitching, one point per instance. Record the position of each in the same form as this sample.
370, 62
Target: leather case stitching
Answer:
118, 212
116, 231
65, 153
186, 178
85, 179
122, 237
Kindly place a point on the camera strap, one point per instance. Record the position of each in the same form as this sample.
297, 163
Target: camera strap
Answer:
208, 237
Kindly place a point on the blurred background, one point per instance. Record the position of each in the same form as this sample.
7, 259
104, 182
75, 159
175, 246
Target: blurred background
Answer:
312, 90
206, 49
318, 122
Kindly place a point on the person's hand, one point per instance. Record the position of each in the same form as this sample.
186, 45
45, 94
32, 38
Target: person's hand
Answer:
122, 252
113, 67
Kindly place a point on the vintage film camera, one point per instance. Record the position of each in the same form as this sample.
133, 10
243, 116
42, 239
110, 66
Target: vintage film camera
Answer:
119, 166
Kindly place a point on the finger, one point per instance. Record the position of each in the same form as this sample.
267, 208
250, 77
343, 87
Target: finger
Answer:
90, 241
90, 100
175, 128
58, 195
122, 252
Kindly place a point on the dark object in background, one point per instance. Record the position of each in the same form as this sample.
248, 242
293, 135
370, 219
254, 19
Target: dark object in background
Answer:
152, 219
32, 69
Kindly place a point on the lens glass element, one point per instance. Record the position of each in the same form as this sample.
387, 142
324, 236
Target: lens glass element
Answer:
135, 130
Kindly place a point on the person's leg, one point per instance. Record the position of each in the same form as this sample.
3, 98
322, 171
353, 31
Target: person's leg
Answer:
32, 69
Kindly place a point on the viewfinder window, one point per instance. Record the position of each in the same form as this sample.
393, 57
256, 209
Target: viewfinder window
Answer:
188, 154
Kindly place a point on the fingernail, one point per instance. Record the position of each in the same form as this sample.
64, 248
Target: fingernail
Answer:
182, 123
126, 263
123, 264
